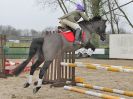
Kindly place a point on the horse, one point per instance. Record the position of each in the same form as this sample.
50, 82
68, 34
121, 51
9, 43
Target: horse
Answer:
55, 43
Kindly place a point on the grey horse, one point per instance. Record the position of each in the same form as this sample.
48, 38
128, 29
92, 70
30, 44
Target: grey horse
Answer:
55, 43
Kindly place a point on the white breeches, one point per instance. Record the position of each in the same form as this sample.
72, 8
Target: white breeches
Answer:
73, 25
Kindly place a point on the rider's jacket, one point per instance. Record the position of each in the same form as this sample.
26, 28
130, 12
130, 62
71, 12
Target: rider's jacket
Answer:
74, 16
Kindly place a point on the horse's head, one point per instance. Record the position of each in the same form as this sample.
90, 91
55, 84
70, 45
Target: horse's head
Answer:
95, 25
100, 27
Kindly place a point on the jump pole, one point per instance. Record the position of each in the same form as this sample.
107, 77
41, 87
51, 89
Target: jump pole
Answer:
89, 66
104, 96
122, 92
106, 65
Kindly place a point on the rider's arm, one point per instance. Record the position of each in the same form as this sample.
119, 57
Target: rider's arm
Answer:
85, 17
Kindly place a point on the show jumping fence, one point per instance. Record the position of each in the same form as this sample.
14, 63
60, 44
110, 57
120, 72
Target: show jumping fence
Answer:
89, 86
98, 67
104, 96
105, 65
10, 50
58, 75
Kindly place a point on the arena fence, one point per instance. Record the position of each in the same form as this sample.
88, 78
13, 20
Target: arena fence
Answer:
2, 55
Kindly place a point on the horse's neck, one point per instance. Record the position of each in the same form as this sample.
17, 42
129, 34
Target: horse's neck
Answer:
86, 27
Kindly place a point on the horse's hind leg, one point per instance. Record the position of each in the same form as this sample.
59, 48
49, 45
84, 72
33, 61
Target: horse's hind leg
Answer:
33, 68
41, 74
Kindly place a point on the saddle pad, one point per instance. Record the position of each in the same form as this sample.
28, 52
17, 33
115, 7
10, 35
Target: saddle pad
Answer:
68, 35
83, 36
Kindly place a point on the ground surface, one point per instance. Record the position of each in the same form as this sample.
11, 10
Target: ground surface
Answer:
12, 87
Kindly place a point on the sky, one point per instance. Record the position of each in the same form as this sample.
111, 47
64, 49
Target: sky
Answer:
27, 14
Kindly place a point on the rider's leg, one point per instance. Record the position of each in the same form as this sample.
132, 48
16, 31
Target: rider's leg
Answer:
78, 36
74, 26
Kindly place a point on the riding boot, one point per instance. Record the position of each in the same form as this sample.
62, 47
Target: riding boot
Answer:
77, 37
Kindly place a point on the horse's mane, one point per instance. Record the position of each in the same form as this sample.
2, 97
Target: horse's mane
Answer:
47, 33
94, 19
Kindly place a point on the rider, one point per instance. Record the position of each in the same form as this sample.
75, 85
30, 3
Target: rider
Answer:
71, 19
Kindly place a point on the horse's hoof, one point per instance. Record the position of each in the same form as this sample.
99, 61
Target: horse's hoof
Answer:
36, 89
26, 85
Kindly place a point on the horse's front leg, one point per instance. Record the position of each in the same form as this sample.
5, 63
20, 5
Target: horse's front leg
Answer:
33, 68
41, 75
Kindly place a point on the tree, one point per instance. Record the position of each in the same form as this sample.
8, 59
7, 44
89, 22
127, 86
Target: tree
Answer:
95, 9
111, 16
54, 4
34, 32
116, 21
9, 31
126, 17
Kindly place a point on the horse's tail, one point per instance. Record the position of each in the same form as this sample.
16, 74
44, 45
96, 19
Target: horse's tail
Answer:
35, 45
20, 68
